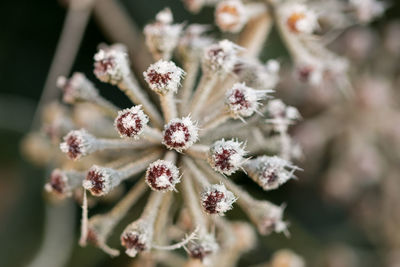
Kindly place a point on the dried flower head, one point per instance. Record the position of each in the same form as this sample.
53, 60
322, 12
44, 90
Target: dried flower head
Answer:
131, 122
216, 199
226, 157
212, 97
180, 134
163, 77
111, 64
162, 175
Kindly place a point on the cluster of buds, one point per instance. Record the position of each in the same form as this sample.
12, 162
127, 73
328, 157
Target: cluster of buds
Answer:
191, 148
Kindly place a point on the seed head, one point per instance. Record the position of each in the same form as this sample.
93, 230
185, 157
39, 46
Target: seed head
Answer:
163, 77
162, 36
205, 246
78, 143
111, 64
226, 157
162, 175
101, 180
230, 15
131, 122
270, 172
180, 134
136, 238
62, 183
58, 183
300, 18
220, 57
268, 217
77, 88
242, 101
216, 199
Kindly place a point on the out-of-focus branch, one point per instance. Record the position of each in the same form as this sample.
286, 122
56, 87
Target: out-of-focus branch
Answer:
71, 36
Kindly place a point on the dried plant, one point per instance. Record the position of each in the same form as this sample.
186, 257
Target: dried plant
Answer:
215, 116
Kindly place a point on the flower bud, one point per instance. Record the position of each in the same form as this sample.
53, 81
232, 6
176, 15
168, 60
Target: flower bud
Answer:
230, 15
162, 36
162, 175
131, 122
111, 64
269, 172
101, 180
300, 18
62, 183
226, 157
136, 237
77, 88
203, 247
242, 101
180, 134
78, 143
216, 199
163, 77
220, 57
267, 217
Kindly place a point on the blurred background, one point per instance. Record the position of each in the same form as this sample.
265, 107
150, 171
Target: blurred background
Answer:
344, 210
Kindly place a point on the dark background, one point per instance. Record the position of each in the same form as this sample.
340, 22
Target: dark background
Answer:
28, 38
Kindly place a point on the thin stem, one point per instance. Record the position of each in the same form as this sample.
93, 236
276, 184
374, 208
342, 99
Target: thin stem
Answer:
102, 144
181, 244
220, 117
196, 173
202, 92
84, 221
285, 141
138, 166
152, 208
193, 204
122, 207
255, 33
168, 106
191, 67
163, 219
153, 135
198, 151
108, 107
